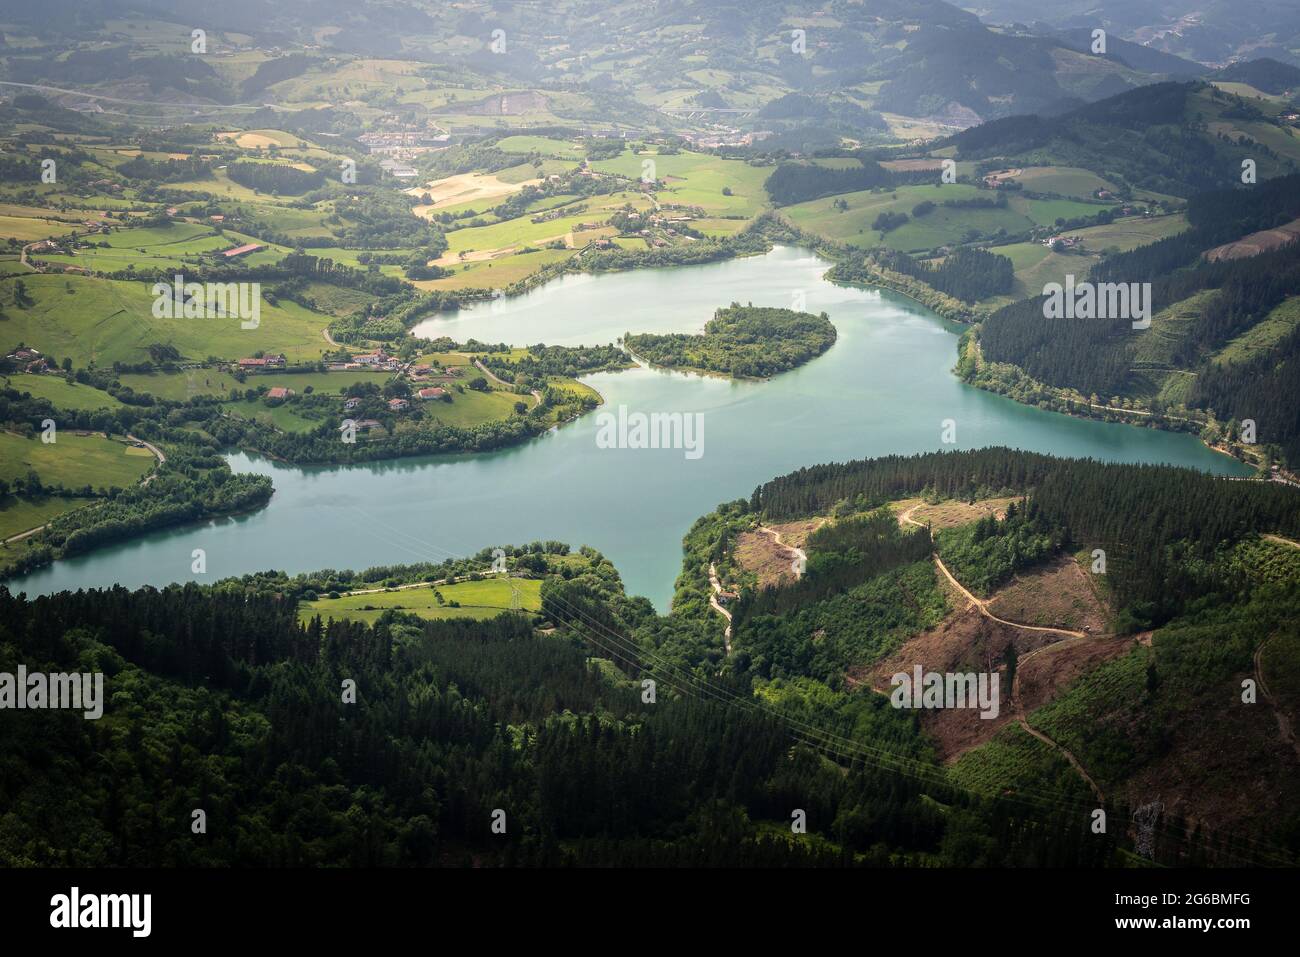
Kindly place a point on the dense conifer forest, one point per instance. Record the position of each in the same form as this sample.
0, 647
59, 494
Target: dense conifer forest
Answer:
1165, 524
222, 701
1103, 356
968, 273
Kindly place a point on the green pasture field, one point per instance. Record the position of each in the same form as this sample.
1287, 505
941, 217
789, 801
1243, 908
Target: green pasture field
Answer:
481, 599
348, 257
1044, 212
543, 145
580, 389
1284, 141
224, 188
853, 225
944, 225
471, 407
516, 232
180, 386
445, 359
495, 273
337, 300
20, 514
1131, 232
277, 137
64, 394
73, 460
30, 229
301, 224
1036, 265
108, 321
284, 417
716, 228
837, 162
466, 409
1066, 180
697, 179
146, 248
481, 207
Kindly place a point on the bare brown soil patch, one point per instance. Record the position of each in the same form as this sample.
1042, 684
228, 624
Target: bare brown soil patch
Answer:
507, 104
1043, 675
1058, 595
1256, 243
967, 641
473, 256
795, 534
964, 642
772, 563
462, 188
952, 514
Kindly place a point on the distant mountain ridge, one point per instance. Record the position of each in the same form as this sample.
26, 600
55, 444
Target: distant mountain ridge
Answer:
1163, 137
915, 58
1208, 31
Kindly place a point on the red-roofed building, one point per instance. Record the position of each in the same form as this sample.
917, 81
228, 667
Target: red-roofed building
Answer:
241, 250
434, 393
272, 361
279, 392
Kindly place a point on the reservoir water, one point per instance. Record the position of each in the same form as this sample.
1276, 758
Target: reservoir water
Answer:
886, 386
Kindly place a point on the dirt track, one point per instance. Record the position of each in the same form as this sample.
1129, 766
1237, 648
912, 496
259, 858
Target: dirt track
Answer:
1075, 637
717, 606
978, 602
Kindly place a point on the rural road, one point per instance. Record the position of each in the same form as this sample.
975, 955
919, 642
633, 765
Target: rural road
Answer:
242, 107
980, 603
375, 591
22, 257
158, 453
537, 396
717, 585
1284, 729
1024, 722
713, 601
21, 535
799, 553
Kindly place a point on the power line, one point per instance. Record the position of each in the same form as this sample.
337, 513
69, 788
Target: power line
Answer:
688, 684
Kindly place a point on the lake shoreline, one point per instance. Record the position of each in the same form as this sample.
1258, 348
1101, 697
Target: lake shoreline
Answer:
882, 390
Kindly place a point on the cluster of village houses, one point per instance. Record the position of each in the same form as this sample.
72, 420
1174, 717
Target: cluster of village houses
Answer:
379, 361
29, 360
